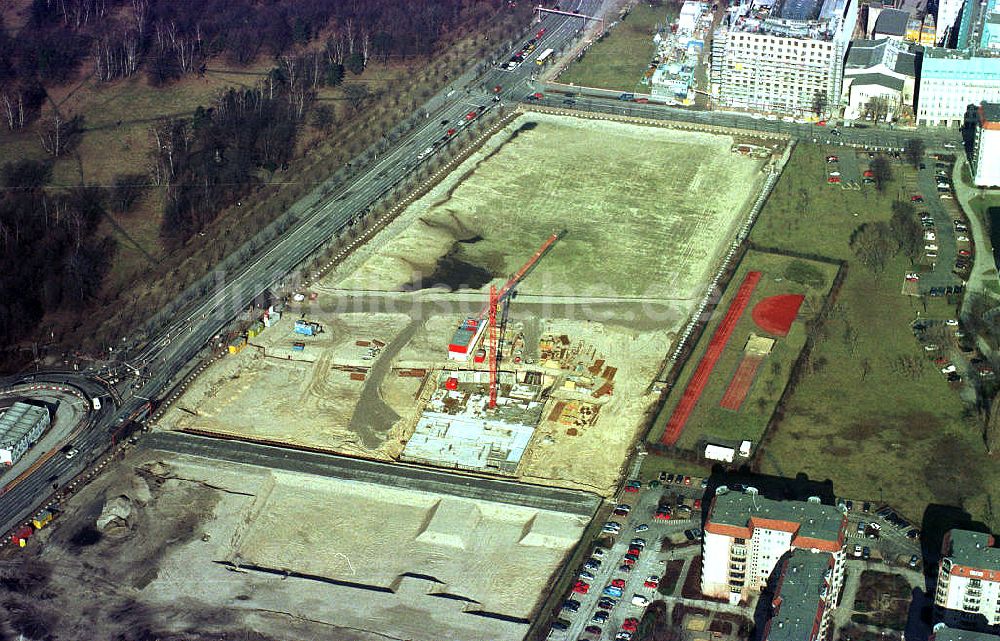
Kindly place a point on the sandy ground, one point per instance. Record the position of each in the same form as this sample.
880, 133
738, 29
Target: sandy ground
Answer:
645, 209
590, 457
270, 391
218, 548
643, 238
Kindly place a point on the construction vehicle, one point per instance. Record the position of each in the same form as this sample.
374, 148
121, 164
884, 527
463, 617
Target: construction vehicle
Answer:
307, 328
472, 328
44, 518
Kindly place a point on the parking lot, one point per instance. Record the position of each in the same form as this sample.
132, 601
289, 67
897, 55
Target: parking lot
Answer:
607, 563
944, 274
888, 537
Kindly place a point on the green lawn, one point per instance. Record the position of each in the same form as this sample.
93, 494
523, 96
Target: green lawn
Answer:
618, 61
872, 414
709, 420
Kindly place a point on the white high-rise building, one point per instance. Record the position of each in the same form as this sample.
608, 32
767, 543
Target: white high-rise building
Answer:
968, 583
784, 56
986, 153
947, 19
746, 535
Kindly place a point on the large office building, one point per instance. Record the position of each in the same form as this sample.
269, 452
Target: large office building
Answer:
783, 56
746, 535
804, 598
968, 583
986, 152
21, 425
954, 81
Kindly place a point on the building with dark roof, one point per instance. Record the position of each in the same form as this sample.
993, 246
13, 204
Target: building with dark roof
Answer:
986, 151
747, 534
891, 23
804, 598
968, 583
882, 70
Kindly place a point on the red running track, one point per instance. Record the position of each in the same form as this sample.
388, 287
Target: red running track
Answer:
739, 386
698, 381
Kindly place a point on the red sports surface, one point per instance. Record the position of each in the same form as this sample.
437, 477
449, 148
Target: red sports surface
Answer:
739, 386
698, 381
776, 314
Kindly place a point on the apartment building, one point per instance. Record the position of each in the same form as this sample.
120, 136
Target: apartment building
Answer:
783, 56
968, 583
803, 598
746, 535
986, 152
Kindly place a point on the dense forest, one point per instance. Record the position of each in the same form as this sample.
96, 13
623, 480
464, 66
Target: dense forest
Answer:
202, 163
48, 255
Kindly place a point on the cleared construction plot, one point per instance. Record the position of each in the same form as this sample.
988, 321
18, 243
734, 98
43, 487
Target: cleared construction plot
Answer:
645, 209
286, 555
648, 213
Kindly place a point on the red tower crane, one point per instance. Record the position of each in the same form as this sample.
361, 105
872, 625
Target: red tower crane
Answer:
500, 303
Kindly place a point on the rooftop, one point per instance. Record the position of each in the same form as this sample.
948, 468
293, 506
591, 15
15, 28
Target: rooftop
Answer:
812, 19
944, 633
800, 595
814, 520
880, 79
892, 22
973, 549
19, 419
990, 111
865, 54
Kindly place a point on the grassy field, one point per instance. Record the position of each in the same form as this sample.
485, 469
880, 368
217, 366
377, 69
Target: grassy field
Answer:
873, 414
618, 61
714, 423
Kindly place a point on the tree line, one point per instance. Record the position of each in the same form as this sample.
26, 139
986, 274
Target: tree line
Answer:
167, 40
49, 256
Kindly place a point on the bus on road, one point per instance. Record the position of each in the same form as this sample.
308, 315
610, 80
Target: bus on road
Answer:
543, 57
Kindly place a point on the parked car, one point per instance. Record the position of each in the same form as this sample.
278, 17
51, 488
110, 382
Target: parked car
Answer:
592, 629
639, 600
914, 560
652, 582
581, 587
625, 568
605, 603
857, 551
866, 553
587, 576
642, 527
612, 591
571, 604
630, 624
618, 583
560, 624
640, 543
600, 616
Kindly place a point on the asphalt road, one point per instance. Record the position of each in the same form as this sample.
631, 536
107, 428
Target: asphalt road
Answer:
881, 138
415, 478
324, 217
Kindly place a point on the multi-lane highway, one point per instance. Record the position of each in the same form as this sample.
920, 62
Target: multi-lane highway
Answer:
194, 327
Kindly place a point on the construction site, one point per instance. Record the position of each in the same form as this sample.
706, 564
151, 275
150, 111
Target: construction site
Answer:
512, 322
